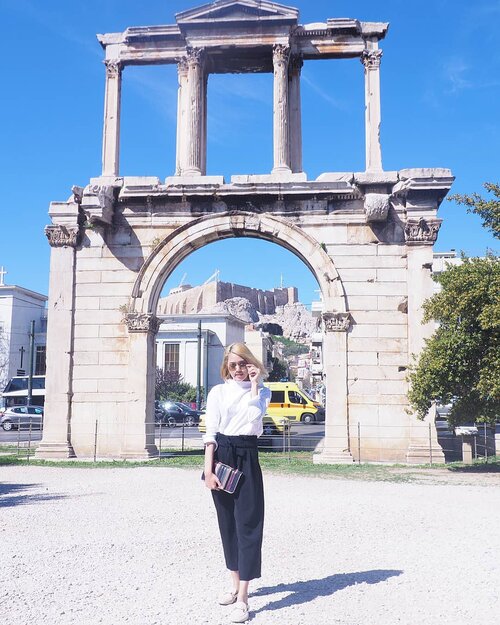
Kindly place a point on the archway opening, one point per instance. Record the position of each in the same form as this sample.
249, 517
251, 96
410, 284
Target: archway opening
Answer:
240, 290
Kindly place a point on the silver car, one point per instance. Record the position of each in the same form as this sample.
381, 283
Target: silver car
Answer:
21, 417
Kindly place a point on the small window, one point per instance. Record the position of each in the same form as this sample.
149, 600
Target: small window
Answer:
295, 398
172, 357
40, 360
277, 397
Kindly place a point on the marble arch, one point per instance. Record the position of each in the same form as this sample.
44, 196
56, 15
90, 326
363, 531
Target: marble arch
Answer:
183, 241
367, 237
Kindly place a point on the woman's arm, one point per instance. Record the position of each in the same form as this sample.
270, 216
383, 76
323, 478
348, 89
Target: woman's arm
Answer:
211, 480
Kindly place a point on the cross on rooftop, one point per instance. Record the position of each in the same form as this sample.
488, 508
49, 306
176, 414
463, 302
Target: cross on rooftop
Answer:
2, 274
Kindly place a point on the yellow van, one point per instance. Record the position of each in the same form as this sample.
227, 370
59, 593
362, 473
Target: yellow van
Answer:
290, 402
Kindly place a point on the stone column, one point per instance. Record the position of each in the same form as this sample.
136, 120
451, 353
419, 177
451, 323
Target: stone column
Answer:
420, 235
138, 435
281, 56
204, 126
182, 72
111, 133
336, 448
193, 162
56, 440
295, 114
371, 61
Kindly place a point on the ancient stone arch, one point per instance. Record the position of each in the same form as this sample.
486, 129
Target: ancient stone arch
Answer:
366, 236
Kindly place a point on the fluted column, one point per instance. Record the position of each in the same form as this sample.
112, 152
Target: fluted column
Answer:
371, 61
182, 73
112, 105
204, 125
295, 116
193, 163
281, 56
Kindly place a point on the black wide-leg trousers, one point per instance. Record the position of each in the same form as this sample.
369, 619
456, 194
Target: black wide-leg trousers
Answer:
241, 515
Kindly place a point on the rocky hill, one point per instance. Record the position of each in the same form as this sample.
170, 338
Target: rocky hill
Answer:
295, 319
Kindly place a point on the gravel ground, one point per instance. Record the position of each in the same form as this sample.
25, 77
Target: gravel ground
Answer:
140, 546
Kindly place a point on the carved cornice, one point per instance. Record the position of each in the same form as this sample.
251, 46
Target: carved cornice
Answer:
376, 206
77, 193
113, 68
195, 57
63, 236
142, 322
281, 55
336, 321
100, 211
371, 58
418, 231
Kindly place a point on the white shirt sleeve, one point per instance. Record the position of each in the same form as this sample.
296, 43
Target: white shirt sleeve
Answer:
257, 406
212, 416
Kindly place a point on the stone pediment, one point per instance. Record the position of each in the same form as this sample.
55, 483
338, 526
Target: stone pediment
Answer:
224, 11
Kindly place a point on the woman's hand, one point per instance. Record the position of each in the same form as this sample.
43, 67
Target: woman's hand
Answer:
212, 481
253, 373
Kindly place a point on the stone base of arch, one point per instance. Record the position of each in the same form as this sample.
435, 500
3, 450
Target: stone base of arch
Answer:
54, 451
425, 454
332, 456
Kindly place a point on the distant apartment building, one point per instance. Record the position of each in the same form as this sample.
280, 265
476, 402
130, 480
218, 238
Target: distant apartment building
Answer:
18, 308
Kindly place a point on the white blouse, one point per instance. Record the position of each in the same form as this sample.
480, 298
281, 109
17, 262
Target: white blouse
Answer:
233, 411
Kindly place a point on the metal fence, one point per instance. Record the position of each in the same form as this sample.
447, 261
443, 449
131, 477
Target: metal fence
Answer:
366, 443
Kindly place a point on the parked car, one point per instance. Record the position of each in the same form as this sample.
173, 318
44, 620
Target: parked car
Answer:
172, 413
21, 417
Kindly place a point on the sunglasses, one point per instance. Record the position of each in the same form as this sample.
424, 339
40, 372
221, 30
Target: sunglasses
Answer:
234, 365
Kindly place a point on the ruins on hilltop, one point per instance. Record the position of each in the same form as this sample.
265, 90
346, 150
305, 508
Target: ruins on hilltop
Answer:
188, 299
366, 236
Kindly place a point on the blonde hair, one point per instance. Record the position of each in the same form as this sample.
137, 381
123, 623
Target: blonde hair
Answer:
240, 349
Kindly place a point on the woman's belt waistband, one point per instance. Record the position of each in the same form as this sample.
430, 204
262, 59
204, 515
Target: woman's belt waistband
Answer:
236, 441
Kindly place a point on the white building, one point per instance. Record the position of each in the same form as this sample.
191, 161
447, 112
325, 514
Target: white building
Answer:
177, 345
18, 308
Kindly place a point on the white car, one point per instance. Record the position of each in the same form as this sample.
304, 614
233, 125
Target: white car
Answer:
22, 417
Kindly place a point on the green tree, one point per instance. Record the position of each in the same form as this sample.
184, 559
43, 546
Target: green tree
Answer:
460, 363
279, 371
487, 210
169, 385
290, 348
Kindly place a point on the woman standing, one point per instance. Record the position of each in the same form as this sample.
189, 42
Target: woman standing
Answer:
234, 421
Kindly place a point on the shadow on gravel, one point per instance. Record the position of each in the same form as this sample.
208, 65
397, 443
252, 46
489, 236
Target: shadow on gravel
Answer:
303, 592
16, 495
486, 467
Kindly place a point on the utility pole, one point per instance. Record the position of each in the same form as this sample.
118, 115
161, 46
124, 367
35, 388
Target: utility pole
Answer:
30, 364
198, 369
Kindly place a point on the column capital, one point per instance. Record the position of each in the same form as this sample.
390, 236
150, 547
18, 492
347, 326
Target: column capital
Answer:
371, 58
63, 236
114, 68
142, 322
195, 56
182, 66
281, 54
422, 231
336, 321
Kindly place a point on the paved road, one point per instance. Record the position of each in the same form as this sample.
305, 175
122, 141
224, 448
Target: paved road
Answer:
313, 430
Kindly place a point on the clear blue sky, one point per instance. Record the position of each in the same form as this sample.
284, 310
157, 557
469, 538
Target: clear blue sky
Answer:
440, 92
